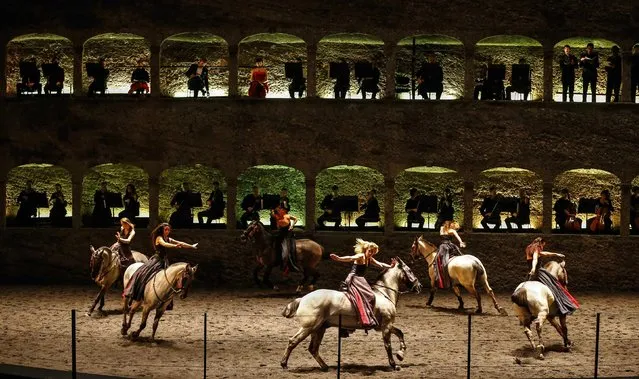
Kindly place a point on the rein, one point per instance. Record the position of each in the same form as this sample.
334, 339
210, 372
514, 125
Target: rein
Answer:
173, 290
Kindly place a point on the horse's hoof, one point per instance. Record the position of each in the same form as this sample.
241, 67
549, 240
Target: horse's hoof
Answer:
324, 368
400, 355
284, 365
276, 288
568, 345
478, 311
541, 357
397, 367
502, 311
88, 314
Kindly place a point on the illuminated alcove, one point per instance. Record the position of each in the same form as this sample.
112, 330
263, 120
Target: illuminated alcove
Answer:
271, 179
117, 176
179, 51
352, 47
352, 181
587, 184
122, 52
508, 181
635, 183
413, 51
275, 49
578, 46
42, 47
44, 177
508, 50
429, 181
200, 179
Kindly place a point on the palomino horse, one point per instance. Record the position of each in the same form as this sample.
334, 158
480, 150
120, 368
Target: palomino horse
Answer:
534, 302
105, 270
321, 309
158, 294
464, 271
309, 254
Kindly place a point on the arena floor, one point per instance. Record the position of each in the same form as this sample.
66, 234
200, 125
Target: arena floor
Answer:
247, 337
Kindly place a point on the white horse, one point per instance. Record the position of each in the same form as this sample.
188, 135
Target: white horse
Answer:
105, 270
534, 302
158, 294
321, 309
464, 271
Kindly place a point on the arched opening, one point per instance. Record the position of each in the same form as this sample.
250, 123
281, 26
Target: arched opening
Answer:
419, 60
39, 49
45, 204
271, 181
354, 184
497, 58
506, 206
343, 58
571, 69
107, 195
439, 197
122, 53
634, 206
179, 52
183, 206
584, 188
277, 51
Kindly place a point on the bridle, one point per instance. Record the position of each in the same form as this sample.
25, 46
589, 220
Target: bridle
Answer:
174, 291
100, 253
417, 255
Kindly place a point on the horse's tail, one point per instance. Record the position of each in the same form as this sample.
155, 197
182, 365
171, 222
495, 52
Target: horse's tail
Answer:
481, 275
520, 297
291, 308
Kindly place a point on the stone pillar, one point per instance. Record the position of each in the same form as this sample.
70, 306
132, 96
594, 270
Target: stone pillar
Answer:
548, 66
625, 76
311, 70
77, 71
3, 203
3, 67
310, 205
389, 206
76, 189
469, 75
233, 73
546, 209
154, 200
231, 201
390, 54
469, 195
156, 88
624, 228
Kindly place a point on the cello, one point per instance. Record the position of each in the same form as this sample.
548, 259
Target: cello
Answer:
573, 223
597, 223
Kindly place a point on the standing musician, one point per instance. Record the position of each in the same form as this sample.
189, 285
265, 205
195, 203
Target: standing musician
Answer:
251, 204
285, 223
566, 213
371, 210
601, 223
489, 209
58, 207
55, 77
522, 215
298, 82
100, 76
182, 217
634, 209
258, 84
589, 61
445, 209
198, 75
131, 204
520, 80
331, 210
28, 206
613, 80
342, 80
430, 78
568, 64
412, 208
216, 205
634, 72
101, 209
140, 80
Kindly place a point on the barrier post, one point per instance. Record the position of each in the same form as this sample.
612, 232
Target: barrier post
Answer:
597, 347
339, 346
74, 373
468, 358
204, 345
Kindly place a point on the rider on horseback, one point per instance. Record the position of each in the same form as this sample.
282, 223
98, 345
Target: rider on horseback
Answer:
122, 244
284, 228
446, 248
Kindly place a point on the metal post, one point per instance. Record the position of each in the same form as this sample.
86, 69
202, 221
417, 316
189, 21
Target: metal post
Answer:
204, 345
339, 346
597, 347
468, 359
74, 373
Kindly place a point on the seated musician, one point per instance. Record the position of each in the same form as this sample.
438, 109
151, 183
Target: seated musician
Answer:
412, 208
100, 77
258, 84
342, 80
370, 84
634, 210
101, 209
131, 204
521, 80
298, 82
284, 204
140, 80
58, 210
489, 210
198, 75
370, 208
182, 217
565, 213
251, 204
28, 205
603, 209
481, 82
430, 78
29, 79
522, 215
285, 223
445, 209
332, 213
215, 203
55, 77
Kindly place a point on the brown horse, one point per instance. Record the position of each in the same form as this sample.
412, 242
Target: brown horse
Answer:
308, 252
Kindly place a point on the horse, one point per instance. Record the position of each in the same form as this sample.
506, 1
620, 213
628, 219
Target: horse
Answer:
158, 294
321, 309
464, 271
105, 270
534, 302
309, 254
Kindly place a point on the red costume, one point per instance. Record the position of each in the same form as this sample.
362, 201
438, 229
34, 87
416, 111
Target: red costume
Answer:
258, 86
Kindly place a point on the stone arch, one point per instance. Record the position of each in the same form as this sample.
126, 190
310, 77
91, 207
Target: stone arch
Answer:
412, 52
508, 182
122, 52
352, 180
352, 47
429, 181
44, 176
200, 178
587, 183
117, 176
578, 45
276, 49
42, 47
508, 50
179, 51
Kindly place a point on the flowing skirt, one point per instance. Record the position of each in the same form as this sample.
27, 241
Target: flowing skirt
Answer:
124, 251
360, 294
137, 284
443, 257
566, 303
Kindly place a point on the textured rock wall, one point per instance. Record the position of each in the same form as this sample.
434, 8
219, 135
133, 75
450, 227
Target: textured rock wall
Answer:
44, 177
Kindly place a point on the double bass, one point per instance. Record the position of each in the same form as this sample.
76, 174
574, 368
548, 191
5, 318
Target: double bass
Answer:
598, 224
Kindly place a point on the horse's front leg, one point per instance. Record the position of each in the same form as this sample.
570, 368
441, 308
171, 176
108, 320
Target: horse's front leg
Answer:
133, 307
145, 316
386, 334
156, 321
102, 299
292, 343
267, 275
402, 345
256, 274
300, 286
96, 300
125, 310
433, 289
314, 277
313, 348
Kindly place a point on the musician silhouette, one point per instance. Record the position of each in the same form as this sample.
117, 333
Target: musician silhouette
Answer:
412, 208
28, 206
430, 78
603, 209
370, 208
251, 204
490, 210
332, 213
589, 62
634, 210
521, 216
101, 209
181, 217
565, 212
215, 204
58, 207
445, 209
568, 64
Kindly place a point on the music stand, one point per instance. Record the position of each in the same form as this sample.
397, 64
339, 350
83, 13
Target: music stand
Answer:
194, 199
508, 204
337, 69
587, 206
270, 201
113, 200
27, 68
92, 69
47, 69
293, 70
496, 72
348, 205
40, 200
363, 70
428, 205
521, 75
